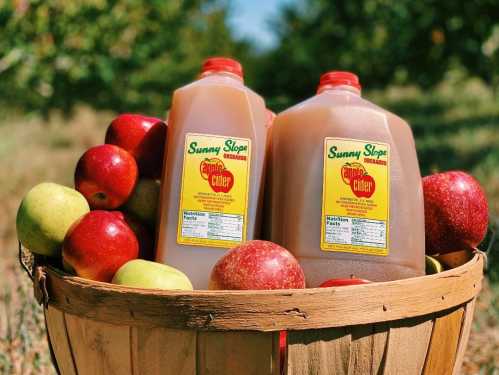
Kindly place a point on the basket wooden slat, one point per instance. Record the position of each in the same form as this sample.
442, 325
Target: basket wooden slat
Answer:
444, 342
236, 352
92, 347
153, 349
465, 334
407, 345
98, 347
313, 351
98, 328
363, 354
58, 334
399, 347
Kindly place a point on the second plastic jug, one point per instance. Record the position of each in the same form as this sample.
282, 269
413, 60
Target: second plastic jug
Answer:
212, 183
345, 194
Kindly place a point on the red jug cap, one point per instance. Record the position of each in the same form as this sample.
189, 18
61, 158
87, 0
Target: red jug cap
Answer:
335, 78
222, 64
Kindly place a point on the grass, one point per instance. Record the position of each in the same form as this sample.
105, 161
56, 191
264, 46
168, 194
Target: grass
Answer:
456, 127
32, 151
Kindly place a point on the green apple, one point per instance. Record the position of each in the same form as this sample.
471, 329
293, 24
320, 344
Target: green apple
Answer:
141, 273
45, 215
144, 200
432, 265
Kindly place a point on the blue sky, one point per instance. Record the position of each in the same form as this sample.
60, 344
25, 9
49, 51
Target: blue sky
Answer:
250, 18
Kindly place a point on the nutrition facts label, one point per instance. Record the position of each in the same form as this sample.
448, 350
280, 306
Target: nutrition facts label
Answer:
343, 230
212, 226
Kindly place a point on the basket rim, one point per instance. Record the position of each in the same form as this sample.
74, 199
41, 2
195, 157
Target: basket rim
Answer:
56, 272
265, 310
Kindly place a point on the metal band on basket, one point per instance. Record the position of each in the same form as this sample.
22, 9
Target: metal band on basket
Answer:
27, 260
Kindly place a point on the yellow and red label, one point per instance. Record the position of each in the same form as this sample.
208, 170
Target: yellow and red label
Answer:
356, 197
213, 206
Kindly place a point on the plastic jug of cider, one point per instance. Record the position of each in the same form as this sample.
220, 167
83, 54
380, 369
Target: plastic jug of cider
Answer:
212, 183
345, 187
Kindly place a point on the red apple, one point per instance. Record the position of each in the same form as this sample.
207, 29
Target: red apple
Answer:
343, 282
106, 176
144, 137
98, 244
456, 212
257, 265
146, 242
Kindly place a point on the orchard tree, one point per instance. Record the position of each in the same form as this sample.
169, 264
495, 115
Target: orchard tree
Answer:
384, 41
124, 55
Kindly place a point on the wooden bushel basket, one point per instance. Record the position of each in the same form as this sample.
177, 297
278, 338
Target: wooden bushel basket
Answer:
412, 326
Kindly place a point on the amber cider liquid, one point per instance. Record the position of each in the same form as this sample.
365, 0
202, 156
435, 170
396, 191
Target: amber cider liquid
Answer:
216, 104
294, 197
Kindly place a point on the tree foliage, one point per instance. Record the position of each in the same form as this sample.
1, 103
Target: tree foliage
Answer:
384, 41
128, 55
125, 55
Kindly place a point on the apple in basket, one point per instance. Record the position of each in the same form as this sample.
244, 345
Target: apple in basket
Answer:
144, 236
257, 265
98, 244
144, 137
144, 200
46, 213
456, 212
433, 265
140, 273
106, 175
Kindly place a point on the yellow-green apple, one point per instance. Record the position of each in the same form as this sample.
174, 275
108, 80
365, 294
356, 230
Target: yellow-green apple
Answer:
144, 137
257, 265
98, 244
432, 265
456, 212
45, 215
141, 273
144, 200
106, 175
